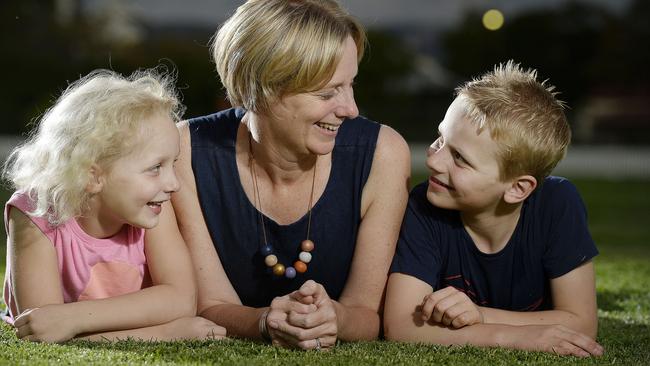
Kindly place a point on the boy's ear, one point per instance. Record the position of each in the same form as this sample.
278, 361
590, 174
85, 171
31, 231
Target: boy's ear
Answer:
95, 179
520, 188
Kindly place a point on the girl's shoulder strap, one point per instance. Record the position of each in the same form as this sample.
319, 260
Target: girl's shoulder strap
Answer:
25, 204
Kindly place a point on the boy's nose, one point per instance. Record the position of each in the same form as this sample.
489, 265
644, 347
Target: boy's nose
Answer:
435, 158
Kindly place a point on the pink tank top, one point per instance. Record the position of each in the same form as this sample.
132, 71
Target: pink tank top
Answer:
90, 268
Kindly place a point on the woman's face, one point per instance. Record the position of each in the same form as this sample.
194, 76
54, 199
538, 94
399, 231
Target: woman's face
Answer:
309, 122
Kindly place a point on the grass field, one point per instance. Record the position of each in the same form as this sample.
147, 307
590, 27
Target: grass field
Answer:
619, 217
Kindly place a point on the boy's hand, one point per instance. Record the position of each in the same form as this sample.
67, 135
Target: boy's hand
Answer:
556, 339
49, 323
451, 308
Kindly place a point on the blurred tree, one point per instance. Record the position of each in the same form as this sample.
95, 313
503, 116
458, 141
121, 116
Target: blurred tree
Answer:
561, 44
382, 92
48, 48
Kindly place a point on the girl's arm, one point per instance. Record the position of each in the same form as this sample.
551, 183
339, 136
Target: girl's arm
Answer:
33, 264
37, 287
403, 321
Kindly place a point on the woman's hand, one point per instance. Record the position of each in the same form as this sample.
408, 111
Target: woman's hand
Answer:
450, 307
49, 323
309, 323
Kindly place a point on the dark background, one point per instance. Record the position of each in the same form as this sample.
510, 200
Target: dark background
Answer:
596, 55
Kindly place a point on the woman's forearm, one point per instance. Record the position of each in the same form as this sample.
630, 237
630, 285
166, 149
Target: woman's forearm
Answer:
356, 323
239, 320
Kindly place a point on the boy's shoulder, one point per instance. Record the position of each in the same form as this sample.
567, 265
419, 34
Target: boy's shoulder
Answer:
420, 206
554, 192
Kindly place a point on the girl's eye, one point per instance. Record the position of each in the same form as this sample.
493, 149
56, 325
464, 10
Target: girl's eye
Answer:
437, 145
458, 156
155, 168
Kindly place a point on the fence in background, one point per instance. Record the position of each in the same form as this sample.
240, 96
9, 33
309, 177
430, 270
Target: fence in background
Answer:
609, 162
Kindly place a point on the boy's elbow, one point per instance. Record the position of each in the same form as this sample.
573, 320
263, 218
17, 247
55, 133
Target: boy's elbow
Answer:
591, 328
394, 330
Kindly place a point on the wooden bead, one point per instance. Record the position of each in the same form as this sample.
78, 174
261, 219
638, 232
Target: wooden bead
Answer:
305, 257
290, 272
266, 250
271, 260
300, 267
307, 245
278, 269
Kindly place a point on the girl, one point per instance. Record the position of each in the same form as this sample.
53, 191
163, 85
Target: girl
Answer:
83, 258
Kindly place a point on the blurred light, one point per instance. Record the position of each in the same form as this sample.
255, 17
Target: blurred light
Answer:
493, 19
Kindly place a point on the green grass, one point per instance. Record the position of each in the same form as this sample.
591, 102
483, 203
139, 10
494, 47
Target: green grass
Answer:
619, 219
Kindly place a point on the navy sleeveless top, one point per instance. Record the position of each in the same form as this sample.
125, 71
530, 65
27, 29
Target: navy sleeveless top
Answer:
233, 221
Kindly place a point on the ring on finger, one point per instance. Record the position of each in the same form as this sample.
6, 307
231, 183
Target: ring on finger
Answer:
318, 345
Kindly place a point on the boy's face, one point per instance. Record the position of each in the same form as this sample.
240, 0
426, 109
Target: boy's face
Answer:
464, 166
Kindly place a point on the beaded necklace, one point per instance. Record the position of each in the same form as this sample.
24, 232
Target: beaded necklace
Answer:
267, 250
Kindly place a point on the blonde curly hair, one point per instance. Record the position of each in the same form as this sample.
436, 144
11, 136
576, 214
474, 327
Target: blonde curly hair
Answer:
96, 120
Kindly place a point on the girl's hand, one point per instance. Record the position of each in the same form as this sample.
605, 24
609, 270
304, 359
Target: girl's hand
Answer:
194, 328
49, 323
316, 329
450, 307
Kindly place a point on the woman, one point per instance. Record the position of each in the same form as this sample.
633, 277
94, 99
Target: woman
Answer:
293, 162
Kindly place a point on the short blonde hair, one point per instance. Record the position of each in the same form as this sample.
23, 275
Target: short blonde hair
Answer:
523, 116
97, 119
272, 48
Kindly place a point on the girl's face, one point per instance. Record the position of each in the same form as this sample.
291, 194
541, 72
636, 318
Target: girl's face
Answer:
137, 184
308, 122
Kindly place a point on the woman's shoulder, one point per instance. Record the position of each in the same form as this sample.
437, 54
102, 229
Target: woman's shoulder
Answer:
213, 128
358, 131
221, 117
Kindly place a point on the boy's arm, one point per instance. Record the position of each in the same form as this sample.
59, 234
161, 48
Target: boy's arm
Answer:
173, 295
403, 322
574, 304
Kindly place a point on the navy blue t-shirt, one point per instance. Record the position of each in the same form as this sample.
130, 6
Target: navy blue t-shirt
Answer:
551, 239
233, 220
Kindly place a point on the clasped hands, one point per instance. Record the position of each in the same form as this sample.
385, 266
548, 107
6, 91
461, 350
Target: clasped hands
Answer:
305, 318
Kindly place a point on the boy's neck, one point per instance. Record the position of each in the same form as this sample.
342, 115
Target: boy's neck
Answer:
491, 230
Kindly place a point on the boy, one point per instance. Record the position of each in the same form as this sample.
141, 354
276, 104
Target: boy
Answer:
488, 255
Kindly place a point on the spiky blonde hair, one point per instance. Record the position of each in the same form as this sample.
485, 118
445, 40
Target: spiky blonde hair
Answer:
522, 115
